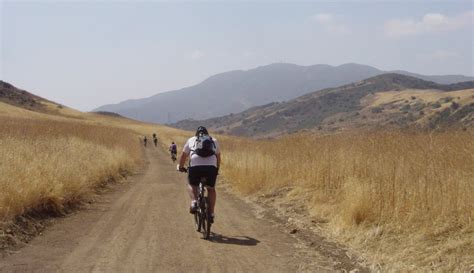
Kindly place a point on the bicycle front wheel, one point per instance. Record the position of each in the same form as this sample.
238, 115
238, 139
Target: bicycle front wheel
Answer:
197, 222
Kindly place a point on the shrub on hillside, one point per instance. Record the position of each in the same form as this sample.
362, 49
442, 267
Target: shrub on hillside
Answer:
435, 105
377, 110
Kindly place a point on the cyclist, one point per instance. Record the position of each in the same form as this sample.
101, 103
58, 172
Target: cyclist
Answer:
173, 150
205, 159
155, 140
145, 140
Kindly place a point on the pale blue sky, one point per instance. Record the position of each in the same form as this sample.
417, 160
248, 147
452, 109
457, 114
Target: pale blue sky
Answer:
86, 54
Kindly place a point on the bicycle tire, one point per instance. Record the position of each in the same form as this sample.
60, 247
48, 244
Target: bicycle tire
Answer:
206, 223
203, 226
197, 222
208, 228
202, 217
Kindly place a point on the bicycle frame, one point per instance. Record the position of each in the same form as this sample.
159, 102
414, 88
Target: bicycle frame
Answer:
173, 157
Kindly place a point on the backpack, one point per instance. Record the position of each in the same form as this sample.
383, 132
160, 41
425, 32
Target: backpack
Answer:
204, 146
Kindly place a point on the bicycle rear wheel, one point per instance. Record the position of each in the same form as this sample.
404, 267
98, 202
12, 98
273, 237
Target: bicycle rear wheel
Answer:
206, 223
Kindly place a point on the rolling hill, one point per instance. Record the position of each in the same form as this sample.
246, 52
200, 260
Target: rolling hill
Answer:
388, 100
14, 101
21, 98
236, 91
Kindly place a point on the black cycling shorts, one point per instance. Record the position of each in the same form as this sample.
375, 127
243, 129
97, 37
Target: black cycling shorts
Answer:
195, 174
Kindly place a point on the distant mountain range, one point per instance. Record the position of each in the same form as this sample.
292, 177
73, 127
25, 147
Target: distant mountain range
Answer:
387, 100
235, 91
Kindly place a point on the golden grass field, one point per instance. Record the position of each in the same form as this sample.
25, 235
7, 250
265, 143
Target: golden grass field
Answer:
401, 200
51, 161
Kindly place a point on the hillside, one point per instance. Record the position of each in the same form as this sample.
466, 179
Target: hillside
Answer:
21, 98
236, 91
24, 100
388, 100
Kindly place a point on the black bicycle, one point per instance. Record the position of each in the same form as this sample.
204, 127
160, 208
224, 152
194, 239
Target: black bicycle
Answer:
202, 217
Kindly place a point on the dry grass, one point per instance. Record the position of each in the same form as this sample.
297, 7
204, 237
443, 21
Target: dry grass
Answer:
401, 199
53, 159
57, 158
50, 163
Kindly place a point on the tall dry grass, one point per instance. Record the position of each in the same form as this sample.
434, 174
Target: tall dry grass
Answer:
392, 176
54, 162
404, 199
401, 200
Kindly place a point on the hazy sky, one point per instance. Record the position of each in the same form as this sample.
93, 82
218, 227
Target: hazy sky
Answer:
86, 54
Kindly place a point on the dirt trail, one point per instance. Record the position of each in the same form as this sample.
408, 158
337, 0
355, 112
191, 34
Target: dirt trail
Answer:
144, 226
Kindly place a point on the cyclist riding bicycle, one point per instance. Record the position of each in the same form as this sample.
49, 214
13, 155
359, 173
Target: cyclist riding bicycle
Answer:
145, 140
173, 149
205, 159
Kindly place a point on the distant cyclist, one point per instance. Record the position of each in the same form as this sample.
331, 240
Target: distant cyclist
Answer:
155, 140
205, 159
173, 150
145, 140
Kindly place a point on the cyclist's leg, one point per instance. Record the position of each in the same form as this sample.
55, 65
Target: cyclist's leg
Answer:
193, 192
211, 190
193, 184
212, 199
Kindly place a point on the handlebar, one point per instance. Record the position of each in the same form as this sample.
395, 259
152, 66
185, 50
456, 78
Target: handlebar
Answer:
183, 170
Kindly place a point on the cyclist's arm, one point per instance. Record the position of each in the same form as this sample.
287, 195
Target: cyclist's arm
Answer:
184, 154
182, 160
218, 153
